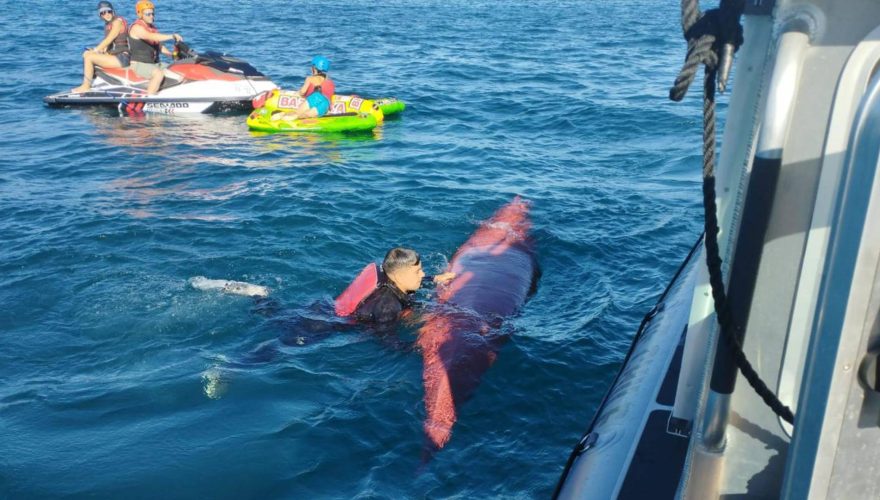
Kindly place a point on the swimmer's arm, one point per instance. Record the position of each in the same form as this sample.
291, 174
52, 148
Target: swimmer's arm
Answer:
438, 279
444, 278
228, 286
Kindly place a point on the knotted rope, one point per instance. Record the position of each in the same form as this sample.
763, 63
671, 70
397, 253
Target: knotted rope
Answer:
712, 39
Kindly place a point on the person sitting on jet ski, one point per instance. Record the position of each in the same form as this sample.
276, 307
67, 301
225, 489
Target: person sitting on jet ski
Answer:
318, 90
145, 42
112, 52
401, 276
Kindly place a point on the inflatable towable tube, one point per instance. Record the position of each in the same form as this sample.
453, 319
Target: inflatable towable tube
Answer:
261, 120
288, 100
346, 114
359, 289
285, 99
390, 105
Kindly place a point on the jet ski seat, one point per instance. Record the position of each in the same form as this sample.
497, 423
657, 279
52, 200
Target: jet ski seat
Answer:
127, 77
120, 76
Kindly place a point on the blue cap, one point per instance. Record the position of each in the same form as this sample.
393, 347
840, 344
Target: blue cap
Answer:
105, 6
321, 63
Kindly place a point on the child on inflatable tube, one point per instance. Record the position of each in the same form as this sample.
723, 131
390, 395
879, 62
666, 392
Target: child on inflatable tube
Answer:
318, 90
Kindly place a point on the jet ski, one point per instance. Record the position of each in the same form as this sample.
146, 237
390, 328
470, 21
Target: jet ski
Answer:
206, 82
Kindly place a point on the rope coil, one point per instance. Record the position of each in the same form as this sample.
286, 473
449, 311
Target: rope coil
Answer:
712, 39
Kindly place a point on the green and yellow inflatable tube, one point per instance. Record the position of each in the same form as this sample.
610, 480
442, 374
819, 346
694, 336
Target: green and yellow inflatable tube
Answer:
390, 105
263, 120
346, 114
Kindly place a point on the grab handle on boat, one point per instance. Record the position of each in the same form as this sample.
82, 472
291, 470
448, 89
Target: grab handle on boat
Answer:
587, 442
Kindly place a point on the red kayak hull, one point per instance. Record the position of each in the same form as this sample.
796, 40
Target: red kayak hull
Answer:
495, 273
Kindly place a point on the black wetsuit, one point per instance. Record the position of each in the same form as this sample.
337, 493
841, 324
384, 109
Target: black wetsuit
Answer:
385, 304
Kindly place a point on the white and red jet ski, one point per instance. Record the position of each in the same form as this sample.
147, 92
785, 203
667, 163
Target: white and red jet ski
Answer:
196, 83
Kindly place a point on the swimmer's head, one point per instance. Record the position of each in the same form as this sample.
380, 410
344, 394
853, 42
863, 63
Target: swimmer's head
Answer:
403, 266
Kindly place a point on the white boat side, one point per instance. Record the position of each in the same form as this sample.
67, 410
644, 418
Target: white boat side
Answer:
797, 193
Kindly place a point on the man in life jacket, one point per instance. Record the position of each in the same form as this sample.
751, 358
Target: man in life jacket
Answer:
318, 89
401, 276
112, 52
145, 43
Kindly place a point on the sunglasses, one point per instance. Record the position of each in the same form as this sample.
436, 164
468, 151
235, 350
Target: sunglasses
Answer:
102, 12
148, 13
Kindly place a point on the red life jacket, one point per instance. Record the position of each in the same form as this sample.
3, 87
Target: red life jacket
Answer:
358, 290
142, 50
120, 43
327, 87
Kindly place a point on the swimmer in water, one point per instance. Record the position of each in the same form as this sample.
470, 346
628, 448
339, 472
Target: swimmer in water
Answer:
400, 277
389, 299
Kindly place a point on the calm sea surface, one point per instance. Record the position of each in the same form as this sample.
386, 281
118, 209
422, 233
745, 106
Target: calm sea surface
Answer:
121, 381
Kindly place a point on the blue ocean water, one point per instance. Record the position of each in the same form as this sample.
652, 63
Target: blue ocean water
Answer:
120, 381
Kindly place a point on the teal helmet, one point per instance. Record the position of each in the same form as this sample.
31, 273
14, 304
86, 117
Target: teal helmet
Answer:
321, 63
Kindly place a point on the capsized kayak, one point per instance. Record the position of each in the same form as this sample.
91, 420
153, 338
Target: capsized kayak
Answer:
495, 274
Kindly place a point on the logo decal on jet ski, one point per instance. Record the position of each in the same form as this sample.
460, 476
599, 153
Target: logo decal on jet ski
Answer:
168, 108
167, 104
